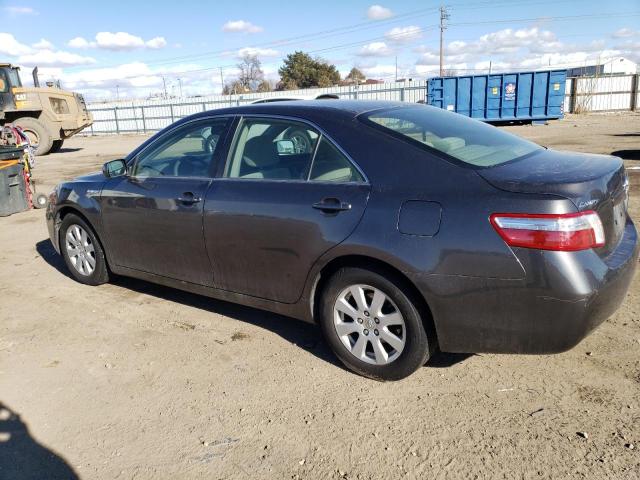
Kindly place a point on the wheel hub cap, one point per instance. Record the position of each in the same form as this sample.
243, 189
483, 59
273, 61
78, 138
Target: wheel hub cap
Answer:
369, 324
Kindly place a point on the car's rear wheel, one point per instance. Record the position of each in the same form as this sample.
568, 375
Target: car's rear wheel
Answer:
82, 251
373, 325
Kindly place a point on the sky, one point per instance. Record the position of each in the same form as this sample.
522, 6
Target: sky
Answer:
133, 49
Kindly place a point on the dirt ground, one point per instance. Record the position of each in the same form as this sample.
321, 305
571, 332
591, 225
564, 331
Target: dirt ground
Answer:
135, 381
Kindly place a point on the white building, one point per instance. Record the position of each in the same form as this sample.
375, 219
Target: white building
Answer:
613, 66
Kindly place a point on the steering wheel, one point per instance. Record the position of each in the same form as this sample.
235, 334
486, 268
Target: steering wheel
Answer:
203, 165
300, 139
149, 167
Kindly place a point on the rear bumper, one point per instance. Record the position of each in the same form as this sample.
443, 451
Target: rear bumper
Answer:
563, 297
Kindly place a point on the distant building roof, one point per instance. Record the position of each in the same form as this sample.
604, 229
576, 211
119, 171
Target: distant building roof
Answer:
618, 65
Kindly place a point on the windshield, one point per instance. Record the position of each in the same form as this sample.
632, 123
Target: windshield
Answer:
470, 141
14, 78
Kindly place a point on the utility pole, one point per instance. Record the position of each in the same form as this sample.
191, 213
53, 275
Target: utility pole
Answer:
164, 83
396, 68
221, 81
444, 16
118, 92
180, 83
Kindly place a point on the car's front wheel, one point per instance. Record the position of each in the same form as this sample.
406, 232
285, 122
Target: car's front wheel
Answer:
373, 325
82, 251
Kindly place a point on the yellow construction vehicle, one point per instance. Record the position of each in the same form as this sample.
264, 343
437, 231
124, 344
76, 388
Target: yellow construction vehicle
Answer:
48, 115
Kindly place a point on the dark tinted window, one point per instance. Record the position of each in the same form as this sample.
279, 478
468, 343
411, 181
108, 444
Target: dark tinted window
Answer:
467, 140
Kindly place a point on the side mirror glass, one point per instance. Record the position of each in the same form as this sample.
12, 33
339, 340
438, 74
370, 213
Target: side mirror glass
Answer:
285, 147
114, 168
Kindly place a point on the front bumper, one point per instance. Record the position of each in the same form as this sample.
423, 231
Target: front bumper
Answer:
53, 224
563, 297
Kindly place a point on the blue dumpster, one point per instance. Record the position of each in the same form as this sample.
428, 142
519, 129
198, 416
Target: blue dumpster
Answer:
502, 97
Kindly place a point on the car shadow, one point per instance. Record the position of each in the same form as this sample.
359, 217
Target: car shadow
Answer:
627, 154
69, 149
305, 335
21, 456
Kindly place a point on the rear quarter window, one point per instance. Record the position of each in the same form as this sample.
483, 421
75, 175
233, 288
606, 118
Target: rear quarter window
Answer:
469, 141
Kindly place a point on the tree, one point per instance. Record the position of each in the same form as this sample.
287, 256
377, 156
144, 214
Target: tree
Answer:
302, 71
234, 87
264, 86
251, 74
355, 76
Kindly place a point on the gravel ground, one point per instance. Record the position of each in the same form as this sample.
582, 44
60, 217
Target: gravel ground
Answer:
132, 380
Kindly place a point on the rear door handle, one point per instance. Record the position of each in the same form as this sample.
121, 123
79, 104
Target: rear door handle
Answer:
188, 198
331, 205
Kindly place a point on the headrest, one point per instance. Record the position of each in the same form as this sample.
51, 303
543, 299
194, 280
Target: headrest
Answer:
260, 152
448, 144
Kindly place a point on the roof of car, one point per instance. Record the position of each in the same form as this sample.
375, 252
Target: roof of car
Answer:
300, 107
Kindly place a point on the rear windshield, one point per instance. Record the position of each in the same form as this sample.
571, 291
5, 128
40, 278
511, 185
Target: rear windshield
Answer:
470, 141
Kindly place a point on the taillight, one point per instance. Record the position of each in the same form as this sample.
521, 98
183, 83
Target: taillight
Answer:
565, 232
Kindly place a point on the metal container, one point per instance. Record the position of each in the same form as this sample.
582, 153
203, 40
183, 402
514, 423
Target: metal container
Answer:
502, 97
13, 190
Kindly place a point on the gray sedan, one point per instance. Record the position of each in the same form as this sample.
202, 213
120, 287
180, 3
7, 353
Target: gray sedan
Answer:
398, 228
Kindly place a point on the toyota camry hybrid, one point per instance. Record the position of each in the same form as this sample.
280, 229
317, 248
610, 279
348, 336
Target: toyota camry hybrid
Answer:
400, 229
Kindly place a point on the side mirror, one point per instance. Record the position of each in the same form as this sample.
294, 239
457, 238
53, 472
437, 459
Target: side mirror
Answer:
114, 168
285, 147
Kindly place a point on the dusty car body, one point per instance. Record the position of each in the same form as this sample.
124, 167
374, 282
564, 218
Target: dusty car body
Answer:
520, 255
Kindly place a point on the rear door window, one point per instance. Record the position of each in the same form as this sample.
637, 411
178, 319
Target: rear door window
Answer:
273, 149
283, 149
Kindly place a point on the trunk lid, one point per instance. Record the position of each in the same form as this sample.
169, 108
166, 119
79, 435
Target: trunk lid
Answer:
591, 182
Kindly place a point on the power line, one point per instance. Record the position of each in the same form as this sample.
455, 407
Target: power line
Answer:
338, 31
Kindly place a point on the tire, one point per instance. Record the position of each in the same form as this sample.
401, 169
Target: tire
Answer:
95, 274
38, 134
40, 201
56, 145
401, 360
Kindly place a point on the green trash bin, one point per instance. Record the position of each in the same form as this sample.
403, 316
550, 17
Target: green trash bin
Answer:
13, 197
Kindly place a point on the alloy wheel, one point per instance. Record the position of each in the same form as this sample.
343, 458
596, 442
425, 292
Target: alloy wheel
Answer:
80, 250
369, 324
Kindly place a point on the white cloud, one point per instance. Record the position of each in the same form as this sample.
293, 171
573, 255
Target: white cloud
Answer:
54, 59
625, 33
12, 47
241, 26
379, 71
257, 52
43, 45
20, 10
375, 49
80, 42
156, 43
378, 12
403, 34
118, 41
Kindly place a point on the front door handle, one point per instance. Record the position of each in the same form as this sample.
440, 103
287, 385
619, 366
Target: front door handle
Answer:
188, 198
331, 205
